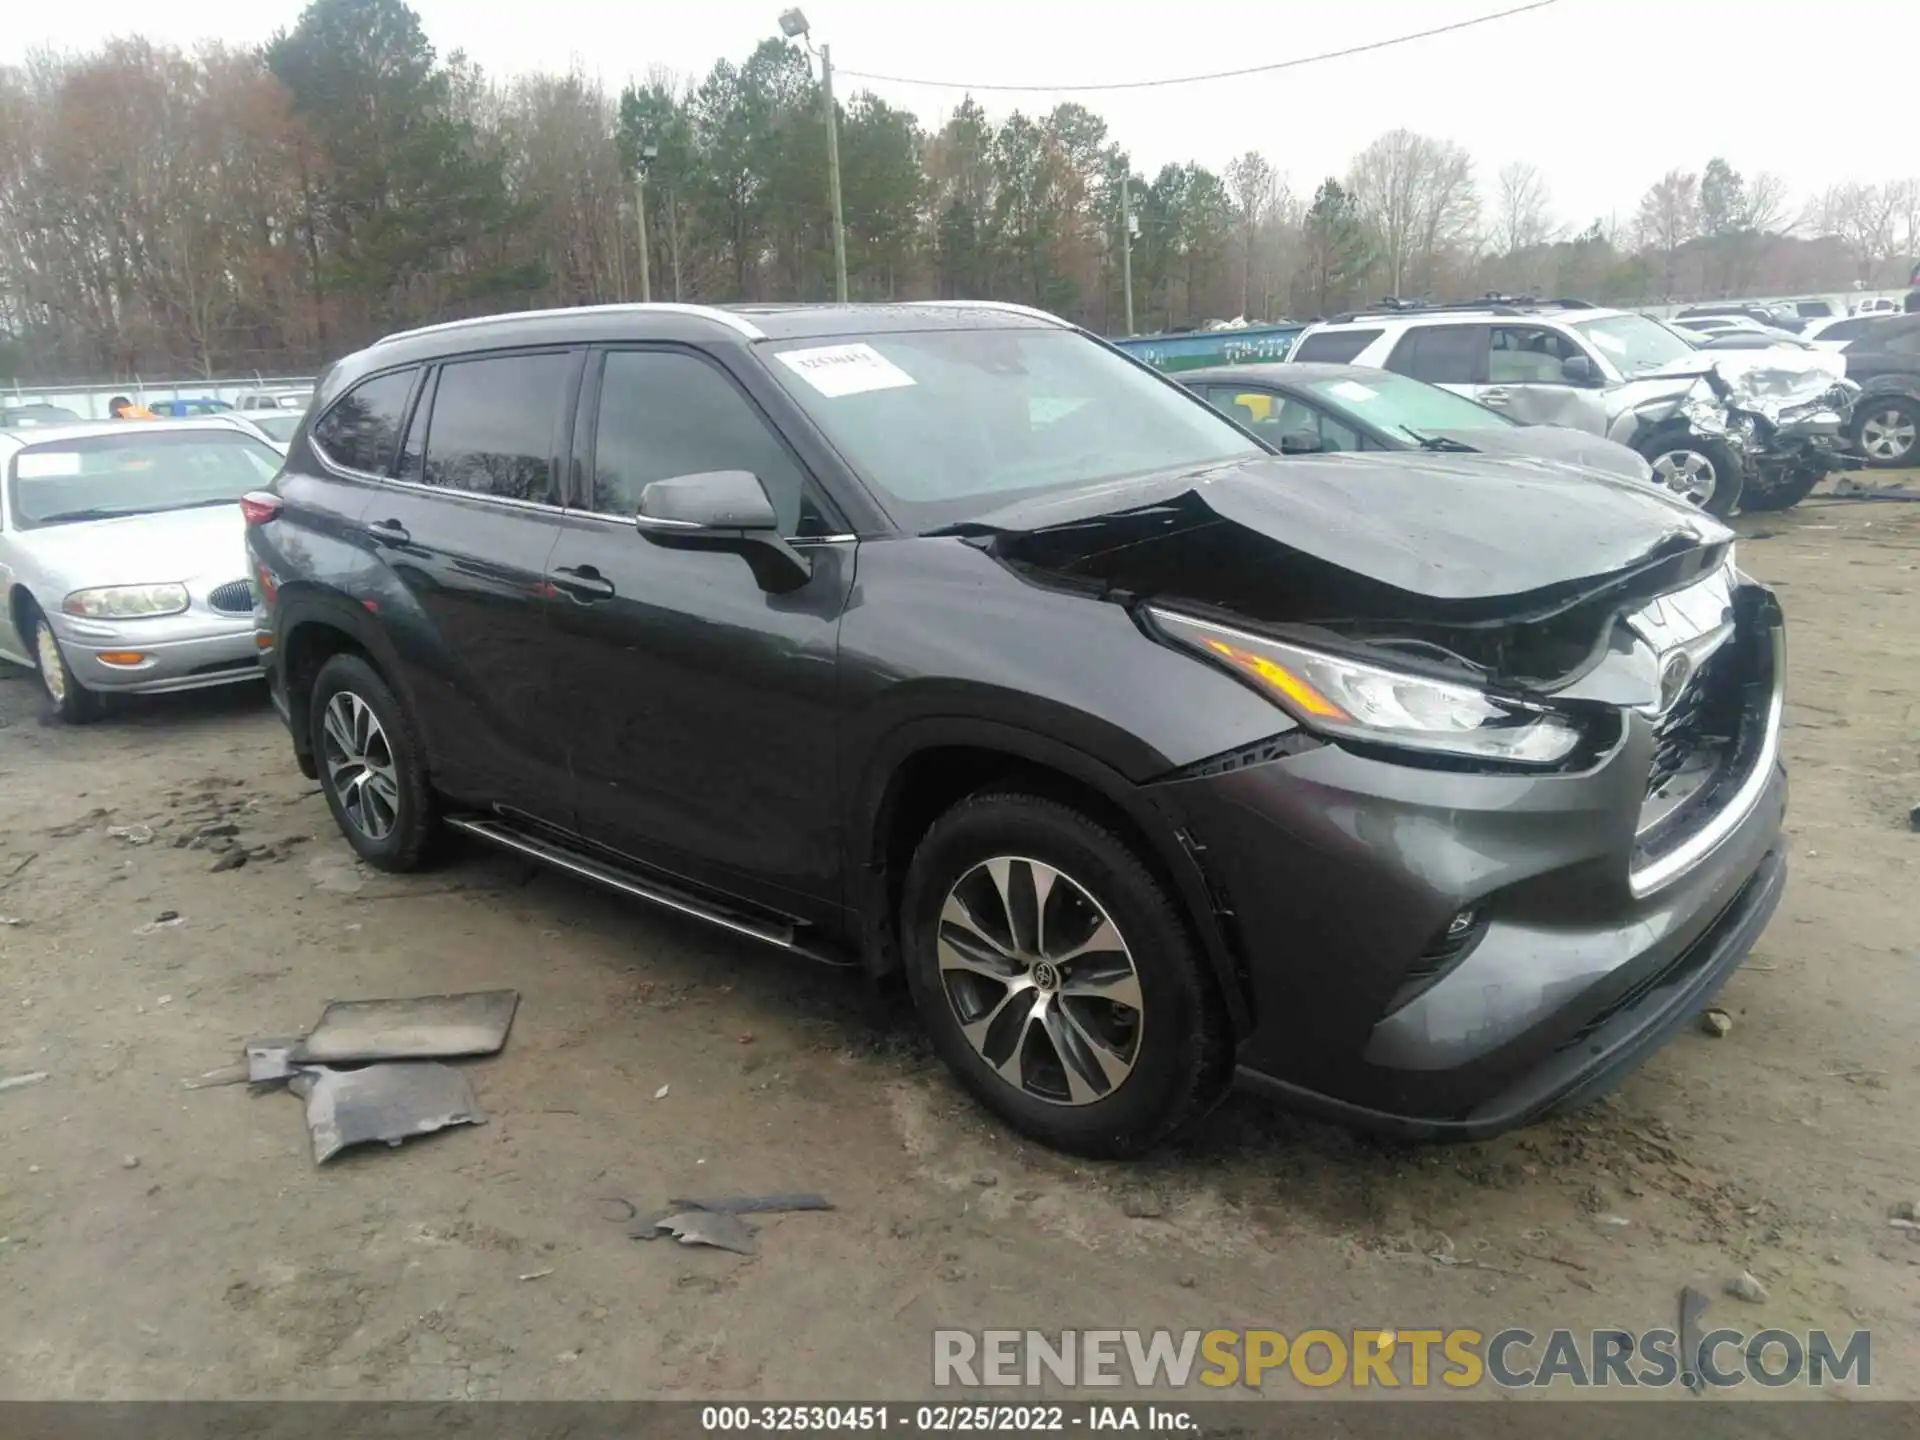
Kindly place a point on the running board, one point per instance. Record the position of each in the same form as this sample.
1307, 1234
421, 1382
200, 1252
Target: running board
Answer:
627, 882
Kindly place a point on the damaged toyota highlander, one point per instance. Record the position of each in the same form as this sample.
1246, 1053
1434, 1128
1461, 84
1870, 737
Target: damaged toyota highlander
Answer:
1430, 792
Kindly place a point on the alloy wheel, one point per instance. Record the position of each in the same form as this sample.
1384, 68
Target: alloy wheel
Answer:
53, 674
1041, 981
1888, 435
1688, 474
360, 765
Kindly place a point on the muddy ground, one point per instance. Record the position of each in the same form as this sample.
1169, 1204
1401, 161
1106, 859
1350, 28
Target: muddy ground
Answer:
163, 1242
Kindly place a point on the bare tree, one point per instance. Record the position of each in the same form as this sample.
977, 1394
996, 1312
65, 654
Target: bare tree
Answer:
1416, 197
1863, 218
1522, 218
1255, 188
1669, 216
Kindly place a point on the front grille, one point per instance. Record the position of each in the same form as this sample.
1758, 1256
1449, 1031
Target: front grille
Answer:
233, 598
1700, 719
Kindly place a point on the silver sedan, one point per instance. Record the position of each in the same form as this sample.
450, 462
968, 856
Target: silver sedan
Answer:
122, 556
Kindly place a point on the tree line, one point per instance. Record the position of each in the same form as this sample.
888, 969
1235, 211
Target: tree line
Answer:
225, 211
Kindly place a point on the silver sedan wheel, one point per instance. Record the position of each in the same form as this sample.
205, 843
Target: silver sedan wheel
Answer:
1041, 981
1689, 474
53, 674
360, 765
1888, 435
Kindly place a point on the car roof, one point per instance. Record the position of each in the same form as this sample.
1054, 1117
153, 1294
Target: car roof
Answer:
88, 429
1284, 373
1472, 313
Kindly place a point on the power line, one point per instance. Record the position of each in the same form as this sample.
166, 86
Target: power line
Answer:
1216, 75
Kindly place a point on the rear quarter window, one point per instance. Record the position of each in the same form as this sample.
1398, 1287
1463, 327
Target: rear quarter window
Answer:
361, 430
1337, 347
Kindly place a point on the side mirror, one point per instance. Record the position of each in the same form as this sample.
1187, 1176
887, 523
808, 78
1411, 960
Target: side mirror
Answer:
1301, 442
1579, 370
728, 500
723, 510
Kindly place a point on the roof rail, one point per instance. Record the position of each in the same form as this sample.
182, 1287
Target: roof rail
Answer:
727, 318
1493, 303
1005, 307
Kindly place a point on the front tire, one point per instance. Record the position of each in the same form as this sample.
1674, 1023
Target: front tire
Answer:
1702, 472
1886, 432
372, 768
1781, 493
71, 700
1058, 978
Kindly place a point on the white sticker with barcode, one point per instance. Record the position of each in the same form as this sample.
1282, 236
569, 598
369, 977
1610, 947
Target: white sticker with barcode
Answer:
837, 370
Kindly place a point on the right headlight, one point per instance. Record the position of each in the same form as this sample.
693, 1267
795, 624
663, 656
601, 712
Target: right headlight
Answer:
1341, 697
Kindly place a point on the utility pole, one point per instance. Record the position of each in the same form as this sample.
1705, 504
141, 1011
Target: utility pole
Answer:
648, 154
833, 179
793, 25
1126, 246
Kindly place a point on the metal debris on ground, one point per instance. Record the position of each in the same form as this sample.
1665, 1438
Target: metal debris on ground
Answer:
714, 1228
661, 1093
538, 1274
422, 1027
16, 1082
654, 1223
1715, 1023
132, 834
388, 1103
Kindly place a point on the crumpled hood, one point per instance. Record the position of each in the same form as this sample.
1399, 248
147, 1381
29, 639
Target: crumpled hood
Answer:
1446, 527
1768, 383
1559, 443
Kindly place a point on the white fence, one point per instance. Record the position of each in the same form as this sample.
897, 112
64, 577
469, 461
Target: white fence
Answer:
90, 401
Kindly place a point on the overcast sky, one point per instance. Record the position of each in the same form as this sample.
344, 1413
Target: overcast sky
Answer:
1602, 95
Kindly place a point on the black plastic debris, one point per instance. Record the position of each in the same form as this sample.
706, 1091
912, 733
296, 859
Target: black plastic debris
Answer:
388, 1103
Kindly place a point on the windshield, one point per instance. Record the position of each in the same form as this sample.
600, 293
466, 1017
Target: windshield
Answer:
1397, 403
1635, 344
950, 424
141, 472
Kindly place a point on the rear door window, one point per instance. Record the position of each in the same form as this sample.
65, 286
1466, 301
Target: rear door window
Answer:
1335, 347
1442, 354
495, 426
361, 430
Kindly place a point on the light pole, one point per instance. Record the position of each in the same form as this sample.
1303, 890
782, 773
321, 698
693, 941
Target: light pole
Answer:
793, 25
1129, 227
648, 154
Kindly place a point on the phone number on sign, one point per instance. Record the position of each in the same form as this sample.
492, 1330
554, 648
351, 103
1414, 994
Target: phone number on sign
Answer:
930, 1419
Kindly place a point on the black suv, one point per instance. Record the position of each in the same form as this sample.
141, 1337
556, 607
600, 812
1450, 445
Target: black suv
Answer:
1426, 790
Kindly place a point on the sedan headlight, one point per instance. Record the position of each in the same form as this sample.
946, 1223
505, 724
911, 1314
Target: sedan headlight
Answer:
1345, 698
126, 602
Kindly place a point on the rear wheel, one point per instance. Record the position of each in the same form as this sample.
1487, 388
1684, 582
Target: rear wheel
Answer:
372, 769
72, 701
1058, 978
1886, 431
1701, 472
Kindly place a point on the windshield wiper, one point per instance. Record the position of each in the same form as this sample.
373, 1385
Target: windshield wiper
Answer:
1439, 442
66, 515
192, 505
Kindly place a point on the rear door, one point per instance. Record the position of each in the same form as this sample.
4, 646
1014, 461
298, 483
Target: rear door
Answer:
701, 710
462, 536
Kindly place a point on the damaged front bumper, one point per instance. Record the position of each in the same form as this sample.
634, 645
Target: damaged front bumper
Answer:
1447, 954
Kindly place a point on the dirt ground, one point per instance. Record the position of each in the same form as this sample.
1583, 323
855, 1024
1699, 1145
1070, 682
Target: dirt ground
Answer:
157, 1241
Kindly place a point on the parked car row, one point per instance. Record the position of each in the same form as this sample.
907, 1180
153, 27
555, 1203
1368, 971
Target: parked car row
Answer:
1428, 785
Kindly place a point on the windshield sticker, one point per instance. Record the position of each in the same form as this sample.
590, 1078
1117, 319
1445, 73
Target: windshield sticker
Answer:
837, 370
45, 464
1353, 390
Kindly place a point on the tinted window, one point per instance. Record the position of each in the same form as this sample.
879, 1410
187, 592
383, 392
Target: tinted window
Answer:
1336, 347
1814, 309
664, 414
362, 430
492, 431
1442, 354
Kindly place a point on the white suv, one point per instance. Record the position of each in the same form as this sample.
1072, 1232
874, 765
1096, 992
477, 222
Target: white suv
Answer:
1557, 362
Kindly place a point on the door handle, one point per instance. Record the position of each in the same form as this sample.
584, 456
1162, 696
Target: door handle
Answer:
392, 532
583, 583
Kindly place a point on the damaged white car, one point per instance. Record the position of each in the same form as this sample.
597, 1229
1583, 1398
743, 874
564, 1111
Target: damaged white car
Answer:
1713, 424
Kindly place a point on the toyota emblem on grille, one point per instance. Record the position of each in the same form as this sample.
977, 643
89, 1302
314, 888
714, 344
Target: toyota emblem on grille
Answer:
1675, 673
